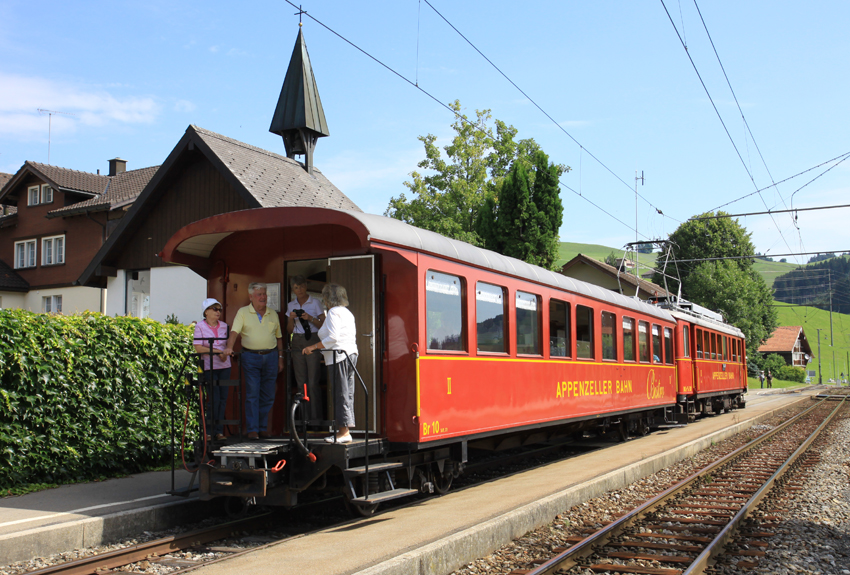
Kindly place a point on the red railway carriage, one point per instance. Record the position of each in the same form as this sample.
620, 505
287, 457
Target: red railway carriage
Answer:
459, 346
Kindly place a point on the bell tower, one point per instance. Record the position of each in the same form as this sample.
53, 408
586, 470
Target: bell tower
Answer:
299, 118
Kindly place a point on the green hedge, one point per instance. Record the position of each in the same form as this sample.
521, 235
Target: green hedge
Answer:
84, 396
791, 373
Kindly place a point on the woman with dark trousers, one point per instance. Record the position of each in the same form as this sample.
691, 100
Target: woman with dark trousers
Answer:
219, 364
338, 332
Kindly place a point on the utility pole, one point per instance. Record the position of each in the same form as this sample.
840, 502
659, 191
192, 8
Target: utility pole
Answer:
820, 373
50, 113
637, 267
831, 337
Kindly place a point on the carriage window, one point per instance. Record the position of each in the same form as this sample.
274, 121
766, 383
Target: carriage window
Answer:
527, 323
686, 338
559, 328
668, 345
609, 335
734, 350
699, 344
628, 339
643, 341
584, 332
444, 310
490, 316
725, 350
656, 344
706, 343
713, 346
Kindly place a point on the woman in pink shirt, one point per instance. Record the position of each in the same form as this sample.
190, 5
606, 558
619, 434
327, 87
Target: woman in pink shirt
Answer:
219, 364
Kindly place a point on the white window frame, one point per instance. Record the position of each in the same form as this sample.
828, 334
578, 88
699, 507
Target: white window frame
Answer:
49, 255
46, 194
51, 304
33, 194
21, 262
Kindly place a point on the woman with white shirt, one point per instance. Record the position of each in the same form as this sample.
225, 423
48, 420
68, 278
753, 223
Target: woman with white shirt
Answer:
339, 332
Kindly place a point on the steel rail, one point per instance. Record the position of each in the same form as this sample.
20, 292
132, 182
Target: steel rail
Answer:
706, 558
127, 555
569, 558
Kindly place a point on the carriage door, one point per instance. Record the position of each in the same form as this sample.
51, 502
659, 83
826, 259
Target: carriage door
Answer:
357, 275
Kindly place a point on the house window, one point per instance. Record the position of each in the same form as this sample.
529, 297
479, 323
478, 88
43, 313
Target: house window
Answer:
46, 194
32, 196
490, 317
25, 254
527, 323
51, 304
444, 311
53, 251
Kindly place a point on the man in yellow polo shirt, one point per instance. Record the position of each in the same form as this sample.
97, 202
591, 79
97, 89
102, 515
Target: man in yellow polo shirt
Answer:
262, 357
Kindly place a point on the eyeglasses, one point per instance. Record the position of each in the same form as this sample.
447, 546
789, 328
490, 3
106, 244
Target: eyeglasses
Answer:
215, 308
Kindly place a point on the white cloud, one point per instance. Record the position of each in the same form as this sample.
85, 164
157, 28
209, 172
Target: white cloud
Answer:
184, 106
90, 106
236, 52
213, 49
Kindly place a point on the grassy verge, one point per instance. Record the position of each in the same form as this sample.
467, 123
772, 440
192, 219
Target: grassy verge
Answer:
753, 384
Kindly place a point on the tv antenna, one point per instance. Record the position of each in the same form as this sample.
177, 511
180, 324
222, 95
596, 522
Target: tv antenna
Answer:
50, 113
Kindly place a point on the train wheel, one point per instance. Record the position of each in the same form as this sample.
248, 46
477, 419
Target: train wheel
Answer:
236, 507
442, 481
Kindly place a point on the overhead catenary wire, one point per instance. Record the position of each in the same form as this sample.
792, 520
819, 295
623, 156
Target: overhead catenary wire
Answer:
544, 112
842, 157
435, 99
716, 111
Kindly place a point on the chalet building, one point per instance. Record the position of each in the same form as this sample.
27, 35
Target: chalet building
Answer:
207, 174
599, 273
53, 221
791, 343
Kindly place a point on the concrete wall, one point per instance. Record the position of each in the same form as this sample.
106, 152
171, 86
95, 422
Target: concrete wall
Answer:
115, 287
178, 291
12, 299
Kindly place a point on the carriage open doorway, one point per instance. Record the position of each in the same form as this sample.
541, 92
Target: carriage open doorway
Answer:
357, 275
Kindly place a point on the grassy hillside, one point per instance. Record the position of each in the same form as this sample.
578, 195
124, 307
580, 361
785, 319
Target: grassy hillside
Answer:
771, 270
811, 319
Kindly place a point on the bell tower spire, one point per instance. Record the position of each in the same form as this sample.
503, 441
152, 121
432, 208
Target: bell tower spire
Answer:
299, 118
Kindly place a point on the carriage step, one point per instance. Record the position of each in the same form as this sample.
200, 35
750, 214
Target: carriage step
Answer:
373, 468
383, 496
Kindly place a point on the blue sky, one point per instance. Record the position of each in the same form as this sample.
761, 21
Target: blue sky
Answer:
612, 74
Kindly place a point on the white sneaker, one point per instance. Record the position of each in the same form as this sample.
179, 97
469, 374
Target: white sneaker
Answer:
341, 439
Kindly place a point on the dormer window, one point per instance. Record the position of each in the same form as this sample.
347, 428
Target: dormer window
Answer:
42, 194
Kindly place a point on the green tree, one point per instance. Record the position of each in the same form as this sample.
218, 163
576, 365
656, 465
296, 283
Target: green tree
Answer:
524, 223
448, 196
731, 286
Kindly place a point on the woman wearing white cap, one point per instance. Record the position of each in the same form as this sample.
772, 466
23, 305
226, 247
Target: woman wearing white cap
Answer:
219, 365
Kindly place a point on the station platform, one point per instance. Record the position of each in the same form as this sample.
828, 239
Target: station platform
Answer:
440, 534
434, 536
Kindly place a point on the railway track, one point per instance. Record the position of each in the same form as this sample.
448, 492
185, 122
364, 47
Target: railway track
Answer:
205, 543
684, 530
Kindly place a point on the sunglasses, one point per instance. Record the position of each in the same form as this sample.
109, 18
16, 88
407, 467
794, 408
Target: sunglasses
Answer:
215, 308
